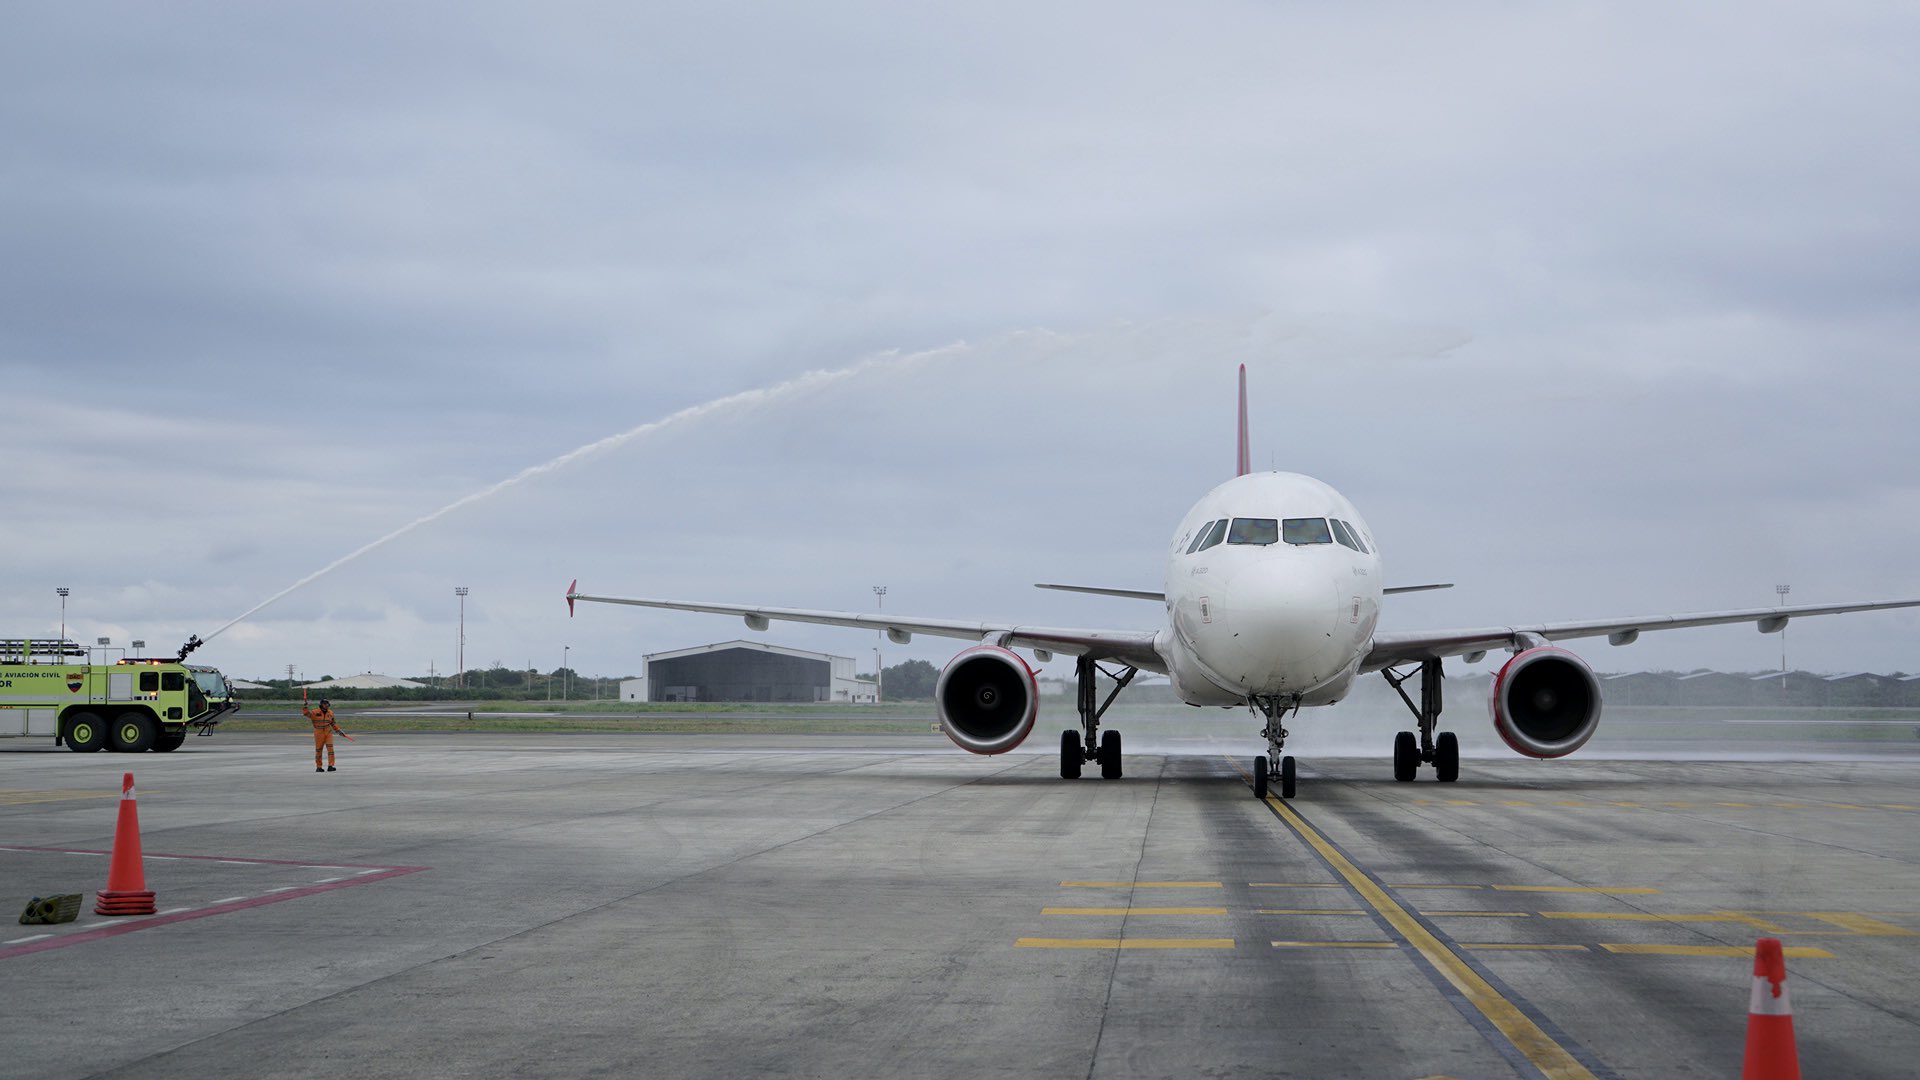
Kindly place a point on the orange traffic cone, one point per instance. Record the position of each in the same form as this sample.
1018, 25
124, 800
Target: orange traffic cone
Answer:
126, 892
1770, 1051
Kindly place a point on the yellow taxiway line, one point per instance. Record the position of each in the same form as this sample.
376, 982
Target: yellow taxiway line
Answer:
1552, 1059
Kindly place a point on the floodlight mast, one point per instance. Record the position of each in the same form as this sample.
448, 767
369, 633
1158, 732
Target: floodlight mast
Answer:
1782, 591
460, 654
879, 665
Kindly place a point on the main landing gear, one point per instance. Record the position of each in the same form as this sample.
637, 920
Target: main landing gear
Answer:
1442, 751
1274, 765
1105, 749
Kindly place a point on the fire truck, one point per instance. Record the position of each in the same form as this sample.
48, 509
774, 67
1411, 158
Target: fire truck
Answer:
90, 700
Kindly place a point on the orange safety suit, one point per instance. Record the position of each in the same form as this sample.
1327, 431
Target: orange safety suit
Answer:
323, 729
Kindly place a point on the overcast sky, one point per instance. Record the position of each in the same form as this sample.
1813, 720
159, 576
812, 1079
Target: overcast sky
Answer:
1594, 309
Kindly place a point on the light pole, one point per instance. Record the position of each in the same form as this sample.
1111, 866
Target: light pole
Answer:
62, 590
566, 676
460, 652
1782, 591
879, 670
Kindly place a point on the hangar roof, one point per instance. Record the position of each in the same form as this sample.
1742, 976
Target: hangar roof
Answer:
756, 646
368, 681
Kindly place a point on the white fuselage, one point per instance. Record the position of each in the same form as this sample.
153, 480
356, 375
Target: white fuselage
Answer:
1280, 601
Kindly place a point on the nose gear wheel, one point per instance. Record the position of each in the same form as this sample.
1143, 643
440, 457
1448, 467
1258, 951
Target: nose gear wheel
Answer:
1275, 769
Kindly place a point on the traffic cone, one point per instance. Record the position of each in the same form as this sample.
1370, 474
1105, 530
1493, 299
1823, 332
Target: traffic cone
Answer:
1770, 1051
126, 892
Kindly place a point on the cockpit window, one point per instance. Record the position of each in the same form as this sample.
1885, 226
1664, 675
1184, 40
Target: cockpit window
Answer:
1199, 537
1343, 535
1306, 531
1215, 534
1262, 531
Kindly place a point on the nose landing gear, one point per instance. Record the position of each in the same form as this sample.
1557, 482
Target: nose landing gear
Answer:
1274, 765
1442, 751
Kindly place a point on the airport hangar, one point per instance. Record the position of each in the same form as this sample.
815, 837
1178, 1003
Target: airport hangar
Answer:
747, 671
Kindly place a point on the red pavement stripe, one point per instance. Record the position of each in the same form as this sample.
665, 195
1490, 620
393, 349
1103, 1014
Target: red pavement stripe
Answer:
211, 858
63, 940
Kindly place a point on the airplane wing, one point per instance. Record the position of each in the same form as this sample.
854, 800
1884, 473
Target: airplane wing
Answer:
1142, 594
1400, 648
1131, 647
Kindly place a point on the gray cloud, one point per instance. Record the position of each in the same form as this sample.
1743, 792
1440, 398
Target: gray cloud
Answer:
1591, 310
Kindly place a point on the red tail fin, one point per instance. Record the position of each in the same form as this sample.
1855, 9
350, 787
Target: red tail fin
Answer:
1246, 454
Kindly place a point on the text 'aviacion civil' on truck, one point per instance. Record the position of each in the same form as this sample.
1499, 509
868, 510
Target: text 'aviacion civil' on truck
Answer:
91, 700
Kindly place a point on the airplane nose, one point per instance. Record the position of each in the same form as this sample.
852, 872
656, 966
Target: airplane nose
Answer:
1284, 622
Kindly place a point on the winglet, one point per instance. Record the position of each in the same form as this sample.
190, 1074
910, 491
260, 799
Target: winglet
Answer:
571, 590
1246, 455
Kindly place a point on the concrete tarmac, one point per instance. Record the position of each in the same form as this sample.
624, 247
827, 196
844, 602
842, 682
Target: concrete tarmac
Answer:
833, 906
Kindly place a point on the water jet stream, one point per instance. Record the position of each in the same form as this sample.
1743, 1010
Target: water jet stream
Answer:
760, 396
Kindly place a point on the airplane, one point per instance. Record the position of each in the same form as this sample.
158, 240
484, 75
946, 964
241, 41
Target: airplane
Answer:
1272, 593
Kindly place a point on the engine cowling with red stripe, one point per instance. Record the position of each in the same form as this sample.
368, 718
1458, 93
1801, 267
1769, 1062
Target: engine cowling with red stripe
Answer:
988, 698
1545, 702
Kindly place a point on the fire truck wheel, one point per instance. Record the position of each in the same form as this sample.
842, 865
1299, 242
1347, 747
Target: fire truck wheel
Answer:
133, 733
169, 740
85, 733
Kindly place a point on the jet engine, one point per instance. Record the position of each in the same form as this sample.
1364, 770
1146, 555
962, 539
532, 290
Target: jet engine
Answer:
987, 698
1545, 702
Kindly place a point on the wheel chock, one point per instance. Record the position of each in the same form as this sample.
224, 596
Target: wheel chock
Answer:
43, 911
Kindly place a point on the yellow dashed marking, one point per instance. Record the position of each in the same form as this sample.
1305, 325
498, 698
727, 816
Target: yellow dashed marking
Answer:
1141, 885
1635, 916
1792, 952
1623, 890
1133, 911
1123, 943
1479, 914
1295, 885
1309, 911
1524, 947
1335, 945
28, 798
1852, 923
1417, 886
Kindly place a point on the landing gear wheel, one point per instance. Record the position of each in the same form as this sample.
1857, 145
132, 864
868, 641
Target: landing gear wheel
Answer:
1260, 777
1110, 756
169, 740
1446, 757
1286, 777
1406, 756
133, 733
85, 733
1071, 755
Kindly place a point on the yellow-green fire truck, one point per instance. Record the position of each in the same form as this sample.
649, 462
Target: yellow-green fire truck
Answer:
91, 702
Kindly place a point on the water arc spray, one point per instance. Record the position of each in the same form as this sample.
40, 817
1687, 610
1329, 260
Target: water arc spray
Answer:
746, 399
